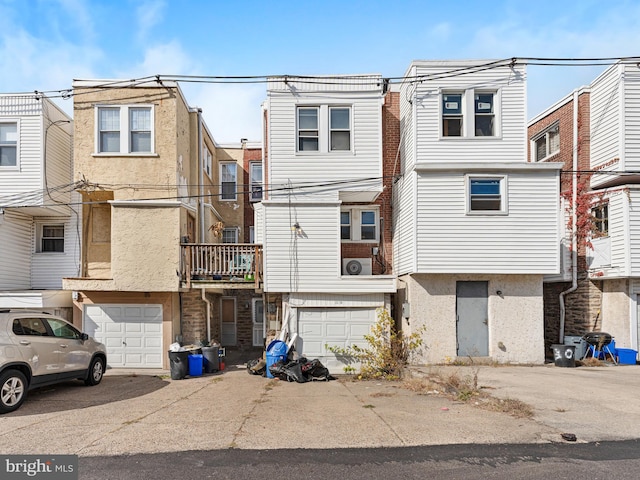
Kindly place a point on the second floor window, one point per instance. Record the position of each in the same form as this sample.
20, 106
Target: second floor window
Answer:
324, 128
228, 179
546, 144
452, 115
340, 128
359, 224
124, 129
600, 220
486, 194
52, 238
255, 187
230, 235
206, 164
8, 144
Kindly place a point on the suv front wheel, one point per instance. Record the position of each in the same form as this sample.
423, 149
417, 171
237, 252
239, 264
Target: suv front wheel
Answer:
96, 372
13, 390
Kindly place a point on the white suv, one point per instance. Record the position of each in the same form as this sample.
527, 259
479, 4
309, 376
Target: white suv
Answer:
39, 349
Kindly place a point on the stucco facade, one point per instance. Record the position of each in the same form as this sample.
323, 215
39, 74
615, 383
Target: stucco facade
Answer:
515, 316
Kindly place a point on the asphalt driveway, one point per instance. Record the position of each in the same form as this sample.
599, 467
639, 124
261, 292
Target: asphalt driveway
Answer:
147, 412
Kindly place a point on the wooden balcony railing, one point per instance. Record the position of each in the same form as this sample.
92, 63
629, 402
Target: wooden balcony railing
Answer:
220, 263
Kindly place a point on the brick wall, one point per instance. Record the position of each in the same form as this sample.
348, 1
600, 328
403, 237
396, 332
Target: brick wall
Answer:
583, 305
194, 328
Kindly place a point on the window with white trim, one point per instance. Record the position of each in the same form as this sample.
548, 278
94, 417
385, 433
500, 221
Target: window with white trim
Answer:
600, 214
308, 131
228, 180
230, 235
359, 224
124, 129
9, 144
486, 194
324, 128
255, 181
339, 128
546, 143
471, 113
51, 238
252, 234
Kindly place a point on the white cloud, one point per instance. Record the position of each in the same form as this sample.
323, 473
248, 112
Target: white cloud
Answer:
149, 14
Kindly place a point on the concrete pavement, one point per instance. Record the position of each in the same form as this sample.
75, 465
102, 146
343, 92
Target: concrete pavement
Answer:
147, 412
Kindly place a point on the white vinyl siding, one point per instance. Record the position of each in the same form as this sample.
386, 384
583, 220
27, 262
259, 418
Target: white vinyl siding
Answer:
605, 122
15, 238
309, 262
631, 140
363, 160
404, 237
524, 241
48, 269
509, 88
632, 230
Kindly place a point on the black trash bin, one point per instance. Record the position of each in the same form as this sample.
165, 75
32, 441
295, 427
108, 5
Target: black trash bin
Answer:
211, 358
564, 355
179, 364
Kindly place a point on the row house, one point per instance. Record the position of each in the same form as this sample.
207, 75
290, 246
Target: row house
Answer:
475, 224
162, 216
603, 185
417, 198
39, 213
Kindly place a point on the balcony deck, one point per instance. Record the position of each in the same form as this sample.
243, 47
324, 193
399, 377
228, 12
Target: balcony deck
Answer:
226, 265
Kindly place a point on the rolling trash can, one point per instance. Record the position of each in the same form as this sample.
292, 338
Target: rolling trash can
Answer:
564, 355
195, 364
276, 352
179, 364
211, 357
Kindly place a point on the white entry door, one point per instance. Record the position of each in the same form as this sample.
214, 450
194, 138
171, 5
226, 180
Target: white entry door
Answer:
258, 322
132, 333
342, 327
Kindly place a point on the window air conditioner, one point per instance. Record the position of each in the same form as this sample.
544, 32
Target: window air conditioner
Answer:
356, 266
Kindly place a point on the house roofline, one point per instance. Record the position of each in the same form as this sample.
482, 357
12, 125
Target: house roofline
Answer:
563, 101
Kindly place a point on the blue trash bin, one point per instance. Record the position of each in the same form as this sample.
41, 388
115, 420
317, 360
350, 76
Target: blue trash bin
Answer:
195, 364
276, 352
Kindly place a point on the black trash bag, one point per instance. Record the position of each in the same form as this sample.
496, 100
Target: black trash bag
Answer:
276, 369
315, 370
257, 367
292, 372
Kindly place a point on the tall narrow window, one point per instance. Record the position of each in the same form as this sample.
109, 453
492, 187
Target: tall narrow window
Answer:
228, 181
109, 129
140, 129
308, 129
452, 115
601, 220
484, 115
52, 238
8, 144
255, 174
345, 225
340, 128
367, 225
485, 194
207, 161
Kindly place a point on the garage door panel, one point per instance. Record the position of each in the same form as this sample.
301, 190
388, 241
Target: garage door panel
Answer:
333, 327
336, 329
131, 333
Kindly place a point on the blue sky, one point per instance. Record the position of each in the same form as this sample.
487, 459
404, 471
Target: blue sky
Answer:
44, 44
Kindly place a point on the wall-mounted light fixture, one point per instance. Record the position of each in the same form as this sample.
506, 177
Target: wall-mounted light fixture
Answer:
296, 228
499, 293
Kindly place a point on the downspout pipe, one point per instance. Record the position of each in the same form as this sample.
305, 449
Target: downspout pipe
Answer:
208, 316
574, 221
201, 236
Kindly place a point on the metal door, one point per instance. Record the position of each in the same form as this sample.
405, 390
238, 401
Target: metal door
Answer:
472, 319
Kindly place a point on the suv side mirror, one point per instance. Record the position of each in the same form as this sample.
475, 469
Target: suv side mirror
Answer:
84, 337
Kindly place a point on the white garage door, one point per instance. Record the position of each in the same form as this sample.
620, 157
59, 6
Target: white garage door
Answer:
132, 333
340, 327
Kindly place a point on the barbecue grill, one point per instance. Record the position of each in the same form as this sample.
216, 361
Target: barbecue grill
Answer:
599, 345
